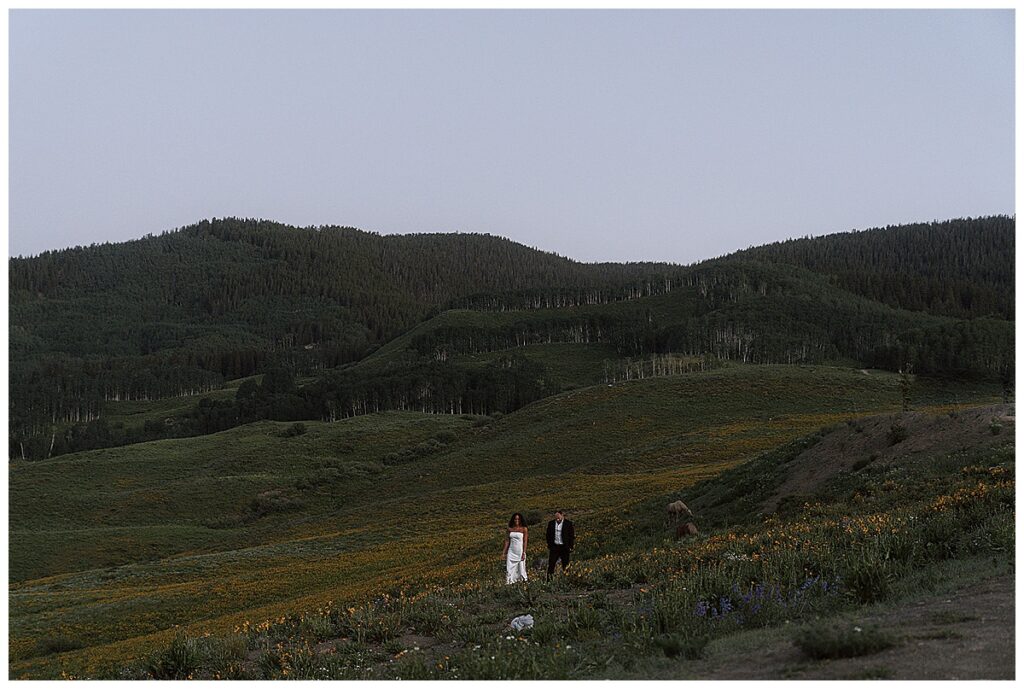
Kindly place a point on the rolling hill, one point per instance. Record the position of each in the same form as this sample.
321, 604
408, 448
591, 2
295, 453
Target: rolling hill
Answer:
179, 314
113, 548
247, 450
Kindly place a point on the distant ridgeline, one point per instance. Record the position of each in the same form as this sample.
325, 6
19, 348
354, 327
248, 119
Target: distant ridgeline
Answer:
960, 268
387, 322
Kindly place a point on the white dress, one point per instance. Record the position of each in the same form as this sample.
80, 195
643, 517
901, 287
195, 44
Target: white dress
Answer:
515, 566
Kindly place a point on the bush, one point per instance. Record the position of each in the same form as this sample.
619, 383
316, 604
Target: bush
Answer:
177, 661
995, 427
270, 664
533, 517
413, 667
271, 501
371, 624
295, 429
317, 628
428, 447
680, 646
867, 578
57, 644
226, 652
897, 433
938, 534
842, 641
446, 436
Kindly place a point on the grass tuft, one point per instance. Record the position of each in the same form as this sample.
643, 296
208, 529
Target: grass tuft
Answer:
826, 641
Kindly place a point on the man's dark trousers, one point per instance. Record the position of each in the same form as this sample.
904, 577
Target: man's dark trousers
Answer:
556, 553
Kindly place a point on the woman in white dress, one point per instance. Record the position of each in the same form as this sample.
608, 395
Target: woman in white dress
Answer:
515, 549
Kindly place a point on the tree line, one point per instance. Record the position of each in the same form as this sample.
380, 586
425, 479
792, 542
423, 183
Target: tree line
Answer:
185, 311
962, 268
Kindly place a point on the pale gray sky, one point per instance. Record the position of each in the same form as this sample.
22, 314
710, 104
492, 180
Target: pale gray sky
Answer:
601, 135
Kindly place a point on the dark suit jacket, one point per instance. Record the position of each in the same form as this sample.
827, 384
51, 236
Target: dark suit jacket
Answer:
568, 534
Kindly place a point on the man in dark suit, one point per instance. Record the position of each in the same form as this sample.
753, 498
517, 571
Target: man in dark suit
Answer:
561, 538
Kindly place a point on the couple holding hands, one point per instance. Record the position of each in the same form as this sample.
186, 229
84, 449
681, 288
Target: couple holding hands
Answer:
561, 538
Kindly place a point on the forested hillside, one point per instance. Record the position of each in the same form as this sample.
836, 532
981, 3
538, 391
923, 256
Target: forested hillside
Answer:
961, 268
181, 313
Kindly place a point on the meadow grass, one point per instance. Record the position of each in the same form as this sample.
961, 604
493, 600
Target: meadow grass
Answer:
616, 615
118, 546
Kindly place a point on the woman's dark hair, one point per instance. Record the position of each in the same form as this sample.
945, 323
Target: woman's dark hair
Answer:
512, 521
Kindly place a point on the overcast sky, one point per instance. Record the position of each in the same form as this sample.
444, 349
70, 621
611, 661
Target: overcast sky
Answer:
599, 135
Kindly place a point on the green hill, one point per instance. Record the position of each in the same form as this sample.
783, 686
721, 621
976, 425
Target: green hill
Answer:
180, 313
962, 268
111, 549
246, 450
485, 361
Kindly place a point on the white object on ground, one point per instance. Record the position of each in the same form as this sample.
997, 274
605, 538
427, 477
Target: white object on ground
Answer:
522, 622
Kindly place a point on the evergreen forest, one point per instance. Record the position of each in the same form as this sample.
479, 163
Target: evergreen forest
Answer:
250, 320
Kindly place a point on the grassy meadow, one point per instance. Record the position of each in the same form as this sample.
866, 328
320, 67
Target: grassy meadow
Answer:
272, 541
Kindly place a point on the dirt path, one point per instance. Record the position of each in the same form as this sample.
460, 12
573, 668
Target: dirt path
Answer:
968, 634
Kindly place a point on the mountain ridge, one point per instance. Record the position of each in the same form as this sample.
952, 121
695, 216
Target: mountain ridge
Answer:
187, 310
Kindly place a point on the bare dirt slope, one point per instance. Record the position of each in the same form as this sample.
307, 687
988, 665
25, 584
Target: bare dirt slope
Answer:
968, 634
869, 439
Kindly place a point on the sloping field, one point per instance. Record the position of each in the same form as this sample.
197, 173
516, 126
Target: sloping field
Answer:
113, 548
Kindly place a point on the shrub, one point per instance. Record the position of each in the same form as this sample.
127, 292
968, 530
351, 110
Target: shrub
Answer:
533, 517
304, 663
584, 621
295, 429
57, 644
429, 614
177, 661
271, 501
428, 447
995, 427
897, 433
413, 667
940, 533
370, 624
842, 641
317, 627
472, 634
867, 578
446, 436
270, 664
690, 647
